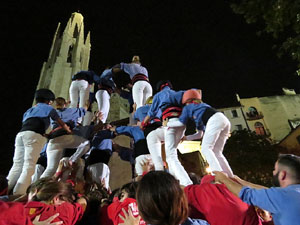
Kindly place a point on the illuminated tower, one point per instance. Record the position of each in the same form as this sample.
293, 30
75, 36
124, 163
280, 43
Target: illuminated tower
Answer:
69, 54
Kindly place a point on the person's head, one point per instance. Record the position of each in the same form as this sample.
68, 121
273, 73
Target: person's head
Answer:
128, 191
44, 95
149, 100
191, 96
54, 192
36, 186
161, 200
136, 59
286, 170
60, 103
163, 83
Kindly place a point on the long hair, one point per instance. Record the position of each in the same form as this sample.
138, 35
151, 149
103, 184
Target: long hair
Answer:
52, 189
161, 201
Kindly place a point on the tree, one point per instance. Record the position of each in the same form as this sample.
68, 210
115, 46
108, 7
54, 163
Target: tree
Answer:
279, 18
251, 156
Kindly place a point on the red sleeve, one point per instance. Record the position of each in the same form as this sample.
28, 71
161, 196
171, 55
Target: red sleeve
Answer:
12, 213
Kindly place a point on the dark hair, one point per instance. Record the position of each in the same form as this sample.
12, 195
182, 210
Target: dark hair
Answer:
44, 95
130, 188
161, 201
293, 163
162, 83
53, 188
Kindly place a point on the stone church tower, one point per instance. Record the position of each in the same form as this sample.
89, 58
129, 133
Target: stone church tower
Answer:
69, 53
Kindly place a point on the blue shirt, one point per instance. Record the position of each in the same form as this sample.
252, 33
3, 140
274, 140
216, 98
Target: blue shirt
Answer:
195, 112
282, 203
102, 140
164, 99
141, 113
106, 78
69, 115
190, 221
133, 69
90, 76
135, 132
43, 111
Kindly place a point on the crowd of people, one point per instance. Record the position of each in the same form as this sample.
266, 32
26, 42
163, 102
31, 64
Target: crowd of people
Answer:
61, 175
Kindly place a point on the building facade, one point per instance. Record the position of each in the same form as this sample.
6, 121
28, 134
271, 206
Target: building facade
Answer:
274, 116
236, 117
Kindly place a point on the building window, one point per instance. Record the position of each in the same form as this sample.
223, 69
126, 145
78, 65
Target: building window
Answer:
259, 128
252, 112
238, 127
234, 113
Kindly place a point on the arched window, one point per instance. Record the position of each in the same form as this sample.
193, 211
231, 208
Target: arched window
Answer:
253, 111
259, 128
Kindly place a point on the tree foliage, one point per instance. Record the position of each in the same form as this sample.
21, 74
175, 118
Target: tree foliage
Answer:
251, 156
279, 18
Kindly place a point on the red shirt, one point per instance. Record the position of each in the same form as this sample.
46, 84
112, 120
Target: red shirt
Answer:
12, 213
217, 205
115, 208
68, 213
104, 219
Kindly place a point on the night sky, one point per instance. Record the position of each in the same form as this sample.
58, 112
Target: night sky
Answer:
205, 46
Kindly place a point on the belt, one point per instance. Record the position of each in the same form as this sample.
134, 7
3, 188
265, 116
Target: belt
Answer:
207, 114
139, 77
171, 112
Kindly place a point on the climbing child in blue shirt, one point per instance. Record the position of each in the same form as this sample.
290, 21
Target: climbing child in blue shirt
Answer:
214, 123
30, 140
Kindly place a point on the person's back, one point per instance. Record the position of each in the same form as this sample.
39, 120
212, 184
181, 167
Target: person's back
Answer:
216, 204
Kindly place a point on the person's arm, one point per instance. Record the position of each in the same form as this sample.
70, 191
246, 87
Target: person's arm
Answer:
195, 136
246, 183
63, 125
232, 186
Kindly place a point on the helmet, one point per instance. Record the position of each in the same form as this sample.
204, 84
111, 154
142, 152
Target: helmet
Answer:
162, 83
149, 100
191, 94
44, 94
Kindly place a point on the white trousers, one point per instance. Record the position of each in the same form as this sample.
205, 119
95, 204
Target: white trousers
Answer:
99, 172
139, 162
28, 146
154, 141
103, 99
55, 150
87, 119
172, 137
215, 136
141, 90
39, 169
79, 92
